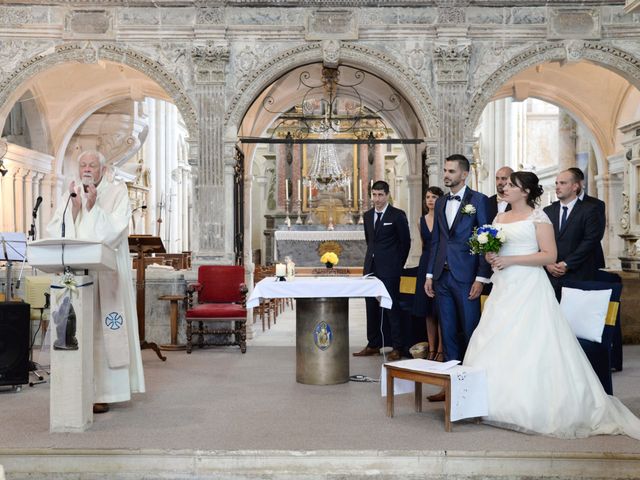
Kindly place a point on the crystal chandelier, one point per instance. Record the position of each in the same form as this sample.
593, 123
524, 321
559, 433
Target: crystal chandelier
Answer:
325, 172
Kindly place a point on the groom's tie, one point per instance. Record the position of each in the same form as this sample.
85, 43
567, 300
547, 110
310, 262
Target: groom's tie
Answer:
563, 220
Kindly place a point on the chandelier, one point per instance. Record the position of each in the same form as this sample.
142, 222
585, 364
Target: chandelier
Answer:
325, 172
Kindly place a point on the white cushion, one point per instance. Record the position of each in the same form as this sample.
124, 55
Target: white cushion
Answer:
586, 311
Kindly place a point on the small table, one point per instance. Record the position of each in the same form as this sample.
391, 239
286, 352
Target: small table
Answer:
174, 299
439, 379
465, 387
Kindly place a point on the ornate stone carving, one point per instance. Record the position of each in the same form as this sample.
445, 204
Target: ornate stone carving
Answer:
210, 61
247, 60
331, 53
209, 15
138, 16
452, 62
581, 23
625, 219
332, 24
416, 58
15, 15
575, 50
451, 15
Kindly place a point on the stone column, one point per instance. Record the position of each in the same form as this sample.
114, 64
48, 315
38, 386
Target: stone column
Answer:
451, 58
212, 207
378, 162
566, 141
414, 211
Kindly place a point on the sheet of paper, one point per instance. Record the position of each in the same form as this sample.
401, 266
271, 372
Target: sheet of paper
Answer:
422, 365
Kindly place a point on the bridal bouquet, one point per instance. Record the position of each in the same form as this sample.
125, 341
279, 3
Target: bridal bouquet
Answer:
485, 239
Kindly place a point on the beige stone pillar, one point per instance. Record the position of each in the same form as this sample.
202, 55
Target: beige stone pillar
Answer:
566, 141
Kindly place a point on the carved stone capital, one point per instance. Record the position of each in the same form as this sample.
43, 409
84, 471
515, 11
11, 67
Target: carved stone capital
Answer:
452, 62
210, 61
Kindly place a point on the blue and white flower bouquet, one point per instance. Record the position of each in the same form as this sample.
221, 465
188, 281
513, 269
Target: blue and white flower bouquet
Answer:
485, 239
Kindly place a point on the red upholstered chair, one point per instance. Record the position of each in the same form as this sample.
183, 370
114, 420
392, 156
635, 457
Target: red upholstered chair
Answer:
221, 295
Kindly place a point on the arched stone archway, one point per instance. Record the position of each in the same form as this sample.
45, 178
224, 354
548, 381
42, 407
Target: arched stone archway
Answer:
604, 55
75, 52
358, 56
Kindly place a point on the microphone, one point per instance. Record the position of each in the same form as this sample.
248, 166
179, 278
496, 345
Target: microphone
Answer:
64, 213
35, 208
86, 181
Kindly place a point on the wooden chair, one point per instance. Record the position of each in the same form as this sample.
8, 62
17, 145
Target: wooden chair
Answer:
221, 296
268, 307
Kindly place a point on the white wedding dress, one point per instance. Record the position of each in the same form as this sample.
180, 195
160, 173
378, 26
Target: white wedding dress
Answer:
538, 378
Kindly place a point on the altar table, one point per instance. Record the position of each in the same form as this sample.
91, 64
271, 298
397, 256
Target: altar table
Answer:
302, 246
322, 321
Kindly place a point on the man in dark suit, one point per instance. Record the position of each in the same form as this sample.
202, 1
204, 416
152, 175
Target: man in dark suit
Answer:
454, 276
386, 231
601, 209
496, 204
577, 231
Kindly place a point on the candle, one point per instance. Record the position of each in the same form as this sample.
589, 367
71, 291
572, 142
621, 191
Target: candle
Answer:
310, 193
286, 189
281, 270
299, 190
371, 189
349, 191
360, 190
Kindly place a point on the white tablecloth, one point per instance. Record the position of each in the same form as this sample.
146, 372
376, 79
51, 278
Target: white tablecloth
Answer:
468, 386
310, 287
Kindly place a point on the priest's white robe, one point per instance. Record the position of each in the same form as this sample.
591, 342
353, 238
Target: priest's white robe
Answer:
108, 222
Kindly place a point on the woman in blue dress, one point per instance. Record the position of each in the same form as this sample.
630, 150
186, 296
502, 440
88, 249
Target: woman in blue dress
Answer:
423, 306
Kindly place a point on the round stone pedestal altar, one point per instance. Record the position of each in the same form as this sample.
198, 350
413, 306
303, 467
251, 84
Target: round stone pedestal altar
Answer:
322, 340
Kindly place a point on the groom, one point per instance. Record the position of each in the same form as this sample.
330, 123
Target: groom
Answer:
454, 276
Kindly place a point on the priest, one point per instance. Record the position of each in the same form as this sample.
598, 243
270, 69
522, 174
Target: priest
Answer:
100, 210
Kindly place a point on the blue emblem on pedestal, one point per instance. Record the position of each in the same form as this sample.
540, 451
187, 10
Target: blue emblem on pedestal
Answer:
322, 335
114, 320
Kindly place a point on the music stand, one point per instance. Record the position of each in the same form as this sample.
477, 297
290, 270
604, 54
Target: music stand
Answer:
13, 247
141, 245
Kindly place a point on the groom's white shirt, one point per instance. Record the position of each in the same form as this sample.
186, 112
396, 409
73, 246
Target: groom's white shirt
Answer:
452, 206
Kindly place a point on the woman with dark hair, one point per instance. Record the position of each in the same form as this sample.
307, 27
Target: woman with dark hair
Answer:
423, 306
538, 378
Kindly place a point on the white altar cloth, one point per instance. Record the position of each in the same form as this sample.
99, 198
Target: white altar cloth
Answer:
319, 235
317, 287
468, 386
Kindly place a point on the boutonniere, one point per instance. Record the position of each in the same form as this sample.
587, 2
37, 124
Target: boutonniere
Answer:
468, 209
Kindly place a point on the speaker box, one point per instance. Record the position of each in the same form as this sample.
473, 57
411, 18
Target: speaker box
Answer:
14, 343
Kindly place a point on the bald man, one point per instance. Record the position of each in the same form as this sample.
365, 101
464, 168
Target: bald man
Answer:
496, 204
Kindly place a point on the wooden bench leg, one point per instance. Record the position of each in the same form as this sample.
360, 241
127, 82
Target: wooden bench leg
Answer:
418, 397
389, 393
447, 407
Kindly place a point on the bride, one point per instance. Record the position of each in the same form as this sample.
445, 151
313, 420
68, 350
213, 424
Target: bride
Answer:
538, 378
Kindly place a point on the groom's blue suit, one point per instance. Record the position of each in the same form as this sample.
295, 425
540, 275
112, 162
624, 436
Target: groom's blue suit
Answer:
454, 270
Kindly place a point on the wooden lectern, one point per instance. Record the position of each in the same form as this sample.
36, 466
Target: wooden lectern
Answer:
141, 245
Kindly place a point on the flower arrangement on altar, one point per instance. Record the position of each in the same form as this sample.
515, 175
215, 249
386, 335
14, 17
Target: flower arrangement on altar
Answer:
330, 259
485, 239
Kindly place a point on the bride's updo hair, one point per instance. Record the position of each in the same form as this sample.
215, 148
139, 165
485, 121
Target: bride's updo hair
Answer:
528, 182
